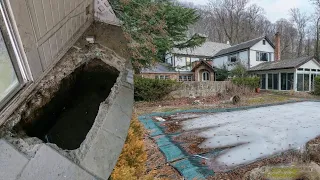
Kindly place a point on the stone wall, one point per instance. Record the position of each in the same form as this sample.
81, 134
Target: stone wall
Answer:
195, 89
172, 76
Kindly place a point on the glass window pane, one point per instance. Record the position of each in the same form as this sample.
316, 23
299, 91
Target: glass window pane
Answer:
290, 82
306, 82
8, 78
275, 81
300, 82
283, 81
270, 81
312, 81
263, 81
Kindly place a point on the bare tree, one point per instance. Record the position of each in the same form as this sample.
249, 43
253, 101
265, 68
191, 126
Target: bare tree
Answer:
300, 20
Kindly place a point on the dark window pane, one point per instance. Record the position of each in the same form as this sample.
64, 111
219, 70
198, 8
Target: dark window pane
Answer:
263, 56
275, 81
290, 82
312, 81
306, 82
283, 81
263, 81
300, 82
270, 81
300, 69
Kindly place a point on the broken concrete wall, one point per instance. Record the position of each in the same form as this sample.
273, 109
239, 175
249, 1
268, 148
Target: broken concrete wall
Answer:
99, 152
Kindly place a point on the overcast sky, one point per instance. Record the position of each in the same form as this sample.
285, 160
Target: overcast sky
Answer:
274, 9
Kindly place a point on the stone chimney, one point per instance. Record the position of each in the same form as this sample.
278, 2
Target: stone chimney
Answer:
277, 51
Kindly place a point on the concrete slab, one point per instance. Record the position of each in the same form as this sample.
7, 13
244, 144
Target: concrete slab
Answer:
12, 162
103, 156
50, 165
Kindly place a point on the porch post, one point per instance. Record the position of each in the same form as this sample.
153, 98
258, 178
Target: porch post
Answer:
295, 80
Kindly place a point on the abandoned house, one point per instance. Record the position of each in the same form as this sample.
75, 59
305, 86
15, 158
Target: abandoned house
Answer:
66, 89
187, 64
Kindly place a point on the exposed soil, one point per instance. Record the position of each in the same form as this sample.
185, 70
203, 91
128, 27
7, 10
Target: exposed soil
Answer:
240, 172
68, 117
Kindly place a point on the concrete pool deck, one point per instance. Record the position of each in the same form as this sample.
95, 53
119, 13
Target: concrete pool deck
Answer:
275, 128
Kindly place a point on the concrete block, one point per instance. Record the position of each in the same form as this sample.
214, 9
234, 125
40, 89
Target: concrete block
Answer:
12, 162
103, 155
50, 165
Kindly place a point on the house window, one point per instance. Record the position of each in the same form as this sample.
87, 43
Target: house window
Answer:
263, 56
188, 62
270, 84
263, 81
185, 78
11, 79
162, 77
276, 81
264, 42
287, 81
233, 58
205, 76
273, 81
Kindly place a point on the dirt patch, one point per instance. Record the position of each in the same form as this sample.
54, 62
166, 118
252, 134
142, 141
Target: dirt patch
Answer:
68, 117
172, 127
240, 172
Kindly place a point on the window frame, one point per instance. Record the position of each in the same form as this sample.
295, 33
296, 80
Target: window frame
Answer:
268, 56
14, 53
205, 76
233, 56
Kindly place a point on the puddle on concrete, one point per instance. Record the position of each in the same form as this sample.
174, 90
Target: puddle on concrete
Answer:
257, 133
68, 117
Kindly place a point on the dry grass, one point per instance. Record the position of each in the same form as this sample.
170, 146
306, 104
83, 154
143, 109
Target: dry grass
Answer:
132, 161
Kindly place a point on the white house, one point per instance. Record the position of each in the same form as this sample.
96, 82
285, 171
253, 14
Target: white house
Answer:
250, 54
290, 74
182, 59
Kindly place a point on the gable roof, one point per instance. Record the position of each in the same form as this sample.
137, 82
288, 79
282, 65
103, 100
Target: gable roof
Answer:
282, 64
208, 49
243, 46
200, 63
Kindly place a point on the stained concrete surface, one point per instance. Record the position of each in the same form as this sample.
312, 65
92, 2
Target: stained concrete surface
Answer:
99, 151
12, 162
48, 164
258, 132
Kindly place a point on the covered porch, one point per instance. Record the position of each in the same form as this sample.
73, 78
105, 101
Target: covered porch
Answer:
288, 75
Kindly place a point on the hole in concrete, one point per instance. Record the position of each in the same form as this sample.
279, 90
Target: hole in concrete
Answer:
68, 117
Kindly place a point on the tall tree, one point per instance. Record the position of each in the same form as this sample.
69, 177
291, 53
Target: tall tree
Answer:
154, 27
317, 22
300, 20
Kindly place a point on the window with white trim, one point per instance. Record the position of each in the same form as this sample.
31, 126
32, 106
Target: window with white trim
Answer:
233, 58
205, 76
162, 77
11, 79
185, 78
263, 56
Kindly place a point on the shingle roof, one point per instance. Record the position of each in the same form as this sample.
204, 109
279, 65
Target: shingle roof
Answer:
208, 49
282, 64
242, 46
159, 68
200, 63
